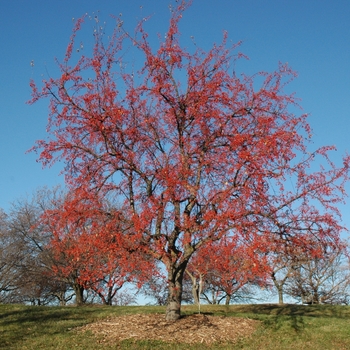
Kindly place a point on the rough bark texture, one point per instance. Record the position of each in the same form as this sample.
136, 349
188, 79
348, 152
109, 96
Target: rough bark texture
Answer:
79, 294
195, 293
173, 311
195, 288
279, 286
280, 295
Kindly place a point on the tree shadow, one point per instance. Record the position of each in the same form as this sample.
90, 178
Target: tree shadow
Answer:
277, 316
19, 324
282, 318
337, 311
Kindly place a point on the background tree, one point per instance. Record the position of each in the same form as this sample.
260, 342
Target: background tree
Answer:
40, 265
226, 269
296, 240
34, 279
9, 255
322, 279
89, 250
156, 289
281, 272
191, 152
27, 259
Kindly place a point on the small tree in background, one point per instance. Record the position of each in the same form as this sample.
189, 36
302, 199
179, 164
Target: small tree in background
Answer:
88, 248
322, 279
28, 259
225, 269
9, 257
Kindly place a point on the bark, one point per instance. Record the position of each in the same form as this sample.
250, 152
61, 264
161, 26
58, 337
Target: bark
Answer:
175, 284
227, 299
279, 287
61, 298
195, 288
79, 294
316, 298
280, 295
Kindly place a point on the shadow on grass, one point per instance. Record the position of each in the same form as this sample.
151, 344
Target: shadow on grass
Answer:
300, 310
286, 317
38, 314
20, 323
283, 317
24, 324
290, 315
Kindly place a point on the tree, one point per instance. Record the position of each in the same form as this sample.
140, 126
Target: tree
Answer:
286, 257
88, 247
191, 152
324, 279
224, 269
279, 275
8, 258
33, 279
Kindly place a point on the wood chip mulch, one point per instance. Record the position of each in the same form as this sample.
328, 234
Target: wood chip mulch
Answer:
197, 328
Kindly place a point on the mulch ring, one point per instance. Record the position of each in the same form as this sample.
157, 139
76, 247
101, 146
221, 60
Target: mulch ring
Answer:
197, 328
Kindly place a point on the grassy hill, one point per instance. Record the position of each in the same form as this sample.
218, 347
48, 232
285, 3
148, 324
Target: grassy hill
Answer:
280, 327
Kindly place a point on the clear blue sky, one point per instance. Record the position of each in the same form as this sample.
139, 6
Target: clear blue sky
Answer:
313, 36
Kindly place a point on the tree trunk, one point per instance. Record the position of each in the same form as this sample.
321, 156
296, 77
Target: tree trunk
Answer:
279, 287
61, 297
227, 299
175, 279
280, 295
195, 292
195, 287
315, 297
79, 294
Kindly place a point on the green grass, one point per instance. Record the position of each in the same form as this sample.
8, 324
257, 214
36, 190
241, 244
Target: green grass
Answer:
282, 327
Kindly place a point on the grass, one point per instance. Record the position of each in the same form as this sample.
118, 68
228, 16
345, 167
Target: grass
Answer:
282, 327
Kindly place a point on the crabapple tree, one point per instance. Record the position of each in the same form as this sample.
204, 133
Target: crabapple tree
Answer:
191, 152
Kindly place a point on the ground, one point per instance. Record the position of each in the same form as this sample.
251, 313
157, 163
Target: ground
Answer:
197, 328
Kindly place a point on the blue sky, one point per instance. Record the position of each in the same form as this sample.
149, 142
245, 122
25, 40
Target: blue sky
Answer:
313, 36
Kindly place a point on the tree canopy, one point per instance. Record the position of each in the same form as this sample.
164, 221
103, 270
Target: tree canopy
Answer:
189, 151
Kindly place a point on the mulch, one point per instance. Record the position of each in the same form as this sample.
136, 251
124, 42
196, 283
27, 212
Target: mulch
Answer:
197, 328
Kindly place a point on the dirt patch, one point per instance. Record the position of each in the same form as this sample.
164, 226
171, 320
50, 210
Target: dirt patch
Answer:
190, 329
